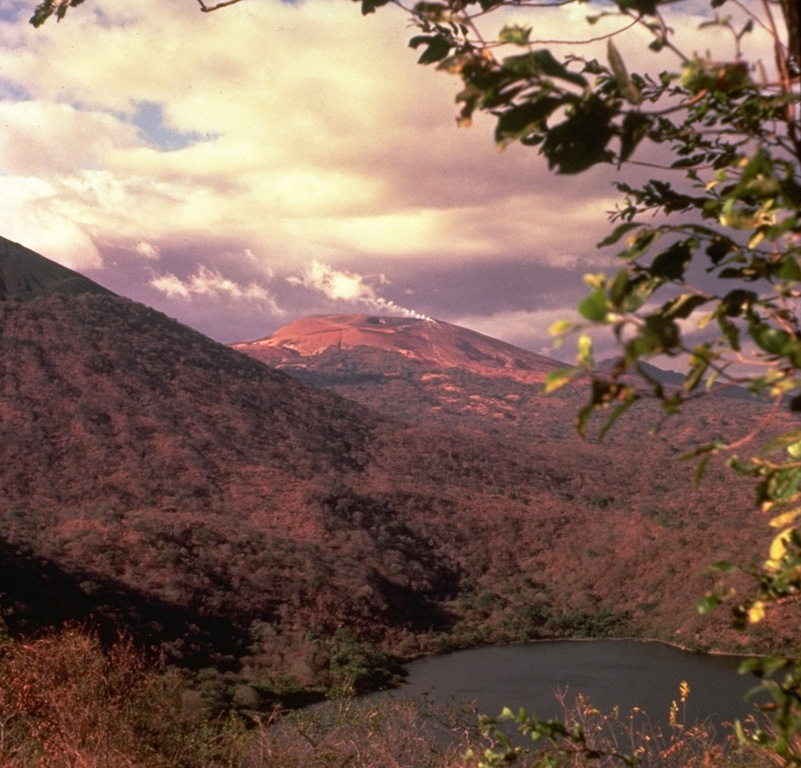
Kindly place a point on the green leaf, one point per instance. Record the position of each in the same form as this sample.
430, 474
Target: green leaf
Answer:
46, 9
790, 269
724, 566
593, 307
617, 412
617, 233
683, 306
794, 449
786, 518
775, 341
698, 367
521, 120
628, 294
542, 62
581, 140
647, 7
370, 6
730, 331
620, 289
709, 603
645, 238
671, 263
584, 353
634, 129
700, 451
737, 302
658, 334
558, 378
783, 441
763, 666
433, 12
698, 475
437, 47
625, 86
719, 248
516, 35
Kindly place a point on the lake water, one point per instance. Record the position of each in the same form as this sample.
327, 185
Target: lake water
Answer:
610, 672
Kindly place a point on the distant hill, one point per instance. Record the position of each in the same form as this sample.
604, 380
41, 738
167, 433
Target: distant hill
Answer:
423, 370
674, 380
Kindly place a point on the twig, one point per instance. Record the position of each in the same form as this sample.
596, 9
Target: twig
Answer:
209, 8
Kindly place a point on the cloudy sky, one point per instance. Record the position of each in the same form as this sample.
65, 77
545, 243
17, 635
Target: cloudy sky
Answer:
243, 168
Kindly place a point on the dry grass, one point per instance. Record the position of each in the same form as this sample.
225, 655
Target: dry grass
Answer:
360, 734
598, 739
67, 703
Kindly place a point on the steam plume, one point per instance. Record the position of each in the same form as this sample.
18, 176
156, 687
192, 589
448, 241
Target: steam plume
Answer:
339, 285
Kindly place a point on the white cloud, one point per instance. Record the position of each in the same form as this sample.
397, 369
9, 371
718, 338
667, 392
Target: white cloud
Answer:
40, 137
335, 284
210, 283
171, 285
146, 250
28, 216
302, 144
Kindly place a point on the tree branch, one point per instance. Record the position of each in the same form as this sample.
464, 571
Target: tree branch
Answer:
209, 8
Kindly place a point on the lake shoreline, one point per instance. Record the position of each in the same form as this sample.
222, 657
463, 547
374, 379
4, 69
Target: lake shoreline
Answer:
630, 639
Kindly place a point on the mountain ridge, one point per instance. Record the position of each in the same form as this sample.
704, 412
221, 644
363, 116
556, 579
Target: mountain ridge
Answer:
25, 275
430, 342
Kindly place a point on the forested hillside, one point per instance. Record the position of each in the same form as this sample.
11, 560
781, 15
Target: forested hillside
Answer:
277, 539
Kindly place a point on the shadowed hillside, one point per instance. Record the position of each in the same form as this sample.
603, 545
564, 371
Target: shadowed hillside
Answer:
26, 275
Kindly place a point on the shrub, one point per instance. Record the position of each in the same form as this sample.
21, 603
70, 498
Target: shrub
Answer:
65, 703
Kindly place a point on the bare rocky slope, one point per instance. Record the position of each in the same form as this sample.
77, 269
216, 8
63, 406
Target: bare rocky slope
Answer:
277, 538
429, 342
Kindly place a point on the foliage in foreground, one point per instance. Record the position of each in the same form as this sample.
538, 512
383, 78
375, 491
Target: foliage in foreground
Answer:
586, 736
67, 703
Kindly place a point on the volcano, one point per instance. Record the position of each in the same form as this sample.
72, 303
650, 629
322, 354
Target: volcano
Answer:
431, 342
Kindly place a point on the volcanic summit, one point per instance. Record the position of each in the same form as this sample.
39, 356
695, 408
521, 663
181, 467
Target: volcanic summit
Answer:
432, 342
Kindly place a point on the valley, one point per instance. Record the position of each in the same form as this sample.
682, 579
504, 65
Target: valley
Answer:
296, 528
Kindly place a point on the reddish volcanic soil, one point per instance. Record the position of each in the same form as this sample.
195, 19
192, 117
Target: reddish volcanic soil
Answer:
432, 342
